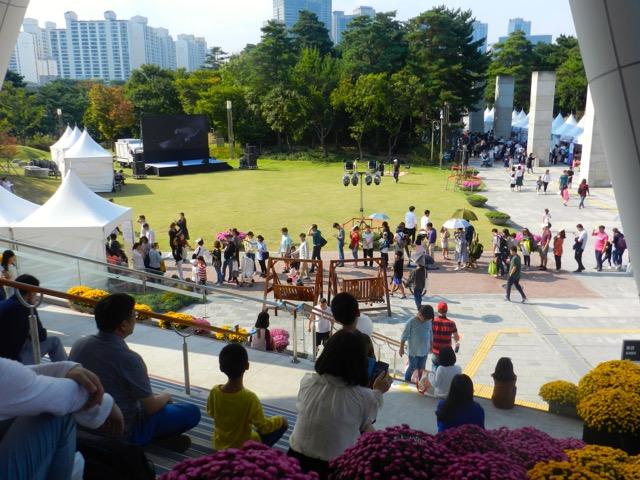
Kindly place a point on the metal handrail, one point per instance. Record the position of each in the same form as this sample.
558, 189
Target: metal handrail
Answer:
146, 275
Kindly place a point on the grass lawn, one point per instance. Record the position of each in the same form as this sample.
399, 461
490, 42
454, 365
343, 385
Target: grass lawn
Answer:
281, 193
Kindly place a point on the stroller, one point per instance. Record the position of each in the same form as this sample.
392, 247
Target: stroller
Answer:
475, 252
248, 269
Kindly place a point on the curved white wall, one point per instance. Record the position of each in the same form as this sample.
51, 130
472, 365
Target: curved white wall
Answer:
11, 15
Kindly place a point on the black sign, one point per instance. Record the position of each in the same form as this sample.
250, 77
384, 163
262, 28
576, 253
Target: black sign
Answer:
631, 350
168, 138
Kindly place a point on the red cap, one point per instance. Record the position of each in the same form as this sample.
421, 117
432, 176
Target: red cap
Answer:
442, 307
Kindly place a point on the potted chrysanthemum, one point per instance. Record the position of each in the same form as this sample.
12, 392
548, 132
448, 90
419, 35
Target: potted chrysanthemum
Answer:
562, 397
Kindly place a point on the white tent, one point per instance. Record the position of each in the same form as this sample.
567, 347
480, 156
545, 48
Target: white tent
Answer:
76, 221
557, 123
92, 163
567, 127
56, 147
57, 153
13, 209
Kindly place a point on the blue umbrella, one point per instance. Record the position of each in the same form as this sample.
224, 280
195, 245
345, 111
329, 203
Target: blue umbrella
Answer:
379, 216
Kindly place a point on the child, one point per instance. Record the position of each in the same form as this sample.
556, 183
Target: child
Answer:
262, 338
398, 270
201, 271
513, 179
236, 411
385, 243
504, 390
216, 255
539, 185
608, 247
525, 248
444, 242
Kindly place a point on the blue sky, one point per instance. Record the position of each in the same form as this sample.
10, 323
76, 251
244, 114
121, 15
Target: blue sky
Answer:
233, 24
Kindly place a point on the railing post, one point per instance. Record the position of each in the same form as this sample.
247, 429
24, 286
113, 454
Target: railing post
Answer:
294, 333
33, 324
79, 276
185, 360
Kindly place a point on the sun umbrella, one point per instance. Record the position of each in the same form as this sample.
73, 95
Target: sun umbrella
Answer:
536, 237
379, 216
464, 214
456, 223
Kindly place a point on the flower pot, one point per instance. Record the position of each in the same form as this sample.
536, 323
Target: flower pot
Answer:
627, 442
498, 220
563, 409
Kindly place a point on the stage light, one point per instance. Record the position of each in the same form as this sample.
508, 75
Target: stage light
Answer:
368, 179
345, 180
354, 179
377, 179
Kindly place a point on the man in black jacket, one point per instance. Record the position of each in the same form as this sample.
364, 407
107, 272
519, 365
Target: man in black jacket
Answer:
15, 341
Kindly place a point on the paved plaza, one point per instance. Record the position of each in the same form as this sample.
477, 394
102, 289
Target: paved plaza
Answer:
571, 323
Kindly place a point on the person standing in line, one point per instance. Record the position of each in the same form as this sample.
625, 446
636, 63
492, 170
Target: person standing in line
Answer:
512, 179
583, 191
354, 243
417, 337
384, 250
545, 244
367, 245
340, 236
496, 243
317, 243
462, 249
600, 244
563, 183
526, 245
418, 279
558, 243
410, 222
302, 253
444, 242
619, 246
216, 255
546, 178
182, 225
286, 245
579, 244
444, 330
262, 254
250, 248
570, 177
546, 218
519, 177
432, 237
515, 268
424, 220
148, 232
398, 272
229, 255
323, 320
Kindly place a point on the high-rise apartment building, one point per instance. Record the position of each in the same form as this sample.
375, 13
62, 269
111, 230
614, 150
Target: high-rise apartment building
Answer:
288, 11
480, 31
190, 52
340, 21
520, 24
107, 49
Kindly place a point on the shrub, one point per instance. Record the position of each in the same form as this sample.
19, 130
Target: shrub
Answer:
590, 462
141, 308
477, 200
41, 142
487, 466
179, 316
614, 373
559, 391
231, 335
165, 302
497, 218
280, 339
612, 410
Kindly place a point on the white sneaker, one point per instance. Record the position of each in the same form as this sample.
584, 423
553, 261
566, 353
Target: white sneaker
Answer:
457, 268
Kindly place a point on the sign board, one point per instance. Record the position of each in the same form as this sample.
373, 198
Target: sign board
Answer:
631, 350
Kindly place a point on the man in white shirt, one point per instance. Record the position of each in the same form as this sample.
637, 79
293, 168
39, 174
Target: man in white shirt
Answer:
410, 222
424, 220
580, 243
323, 320
149, 233
546, 218
302, 252
39, 408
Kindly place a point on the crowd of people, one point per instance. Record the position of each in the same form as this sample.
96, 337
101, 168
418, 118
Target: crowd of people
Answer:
41, 405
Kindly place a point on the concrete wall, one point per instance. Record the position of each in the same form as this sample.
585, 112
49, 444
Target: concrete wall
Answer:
543, 88
608, 36
11, 15
504, 105
593, 165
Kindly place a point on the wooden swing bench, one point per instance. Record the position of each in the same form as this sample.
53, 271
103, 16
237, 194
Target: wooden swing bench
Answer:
288, 291
372, 293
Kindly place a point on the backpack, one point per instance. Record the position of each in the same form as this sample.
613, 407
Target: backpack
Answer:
504, 246
622, 243
468, 233
323, 241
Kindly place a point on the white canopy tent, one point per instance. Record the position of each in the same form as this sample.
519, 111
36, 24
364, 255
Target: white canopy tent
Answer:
567, 127
90, 162
557, 123
57, 153
56, 147
13, 209
76, 221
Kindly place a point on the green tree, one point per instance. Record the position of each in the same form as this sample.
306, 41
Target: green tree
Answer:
70, 96
192, 86
215, 58
151, 89
15, 78
514, 57
309, 32
21, 112
446, 60
314, 78
271, 60
373, 45
281, 110
401, 90
571, 84
109, 112
365, 101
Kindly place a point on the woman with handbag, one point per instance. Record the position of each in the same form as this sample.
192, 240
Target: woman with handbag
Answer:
262, 252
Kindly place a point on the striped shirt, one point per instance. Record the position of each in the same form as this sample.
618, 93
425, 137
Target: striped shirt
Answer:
202, 272
443, 329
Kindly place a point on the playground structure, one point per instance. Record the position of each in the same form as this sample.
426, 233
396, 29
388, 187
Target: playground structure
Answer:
290, 291
369, 291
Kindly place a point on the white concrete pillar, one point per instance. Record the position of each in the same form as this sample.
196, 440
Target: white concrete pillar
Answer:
504, 105
593, 165
11, 15
476, 119
608, 35
543, 89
